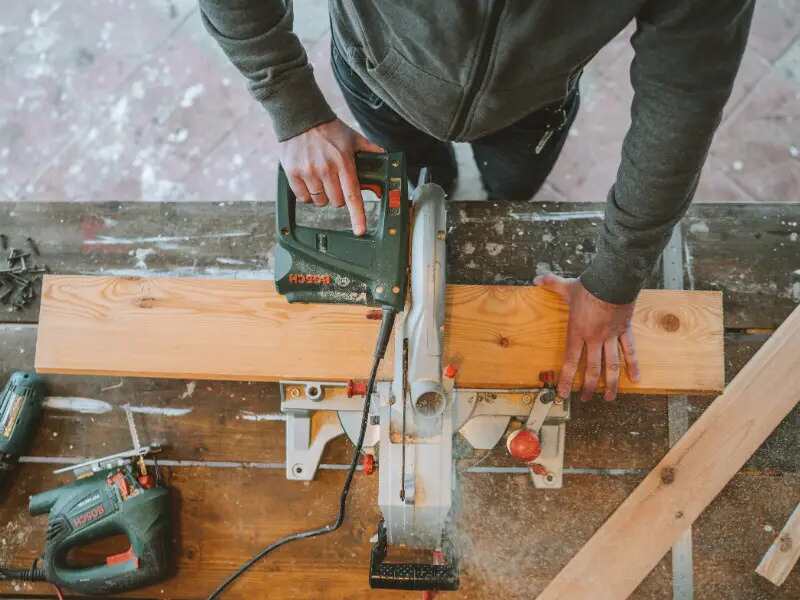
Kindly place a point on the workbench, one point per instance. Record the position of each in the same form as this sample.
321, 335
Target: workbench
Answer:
224, 440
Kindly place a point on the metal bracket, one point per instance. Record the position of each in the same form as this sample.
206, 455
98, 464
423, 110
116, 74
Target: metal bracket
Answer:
316, 413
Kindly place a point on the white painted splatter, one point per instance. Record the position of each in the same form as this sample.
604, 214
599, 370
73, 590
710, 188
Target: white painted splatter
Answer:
190, 387
251, 416
86, 406
137, 90
158, 410
154, 189
794, 151
494, 249
699, 227
107, 240
110, 153
557, 216
179, 136
499, 227
468, 248
793, 236
547, 238
191, 94
141, 255
113, 387
119, 112
543, 268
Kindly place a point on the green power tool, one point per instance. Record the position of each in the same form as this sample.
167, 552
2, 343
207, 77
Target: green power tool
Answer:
324, 265
113, 501
20, 407
113, 495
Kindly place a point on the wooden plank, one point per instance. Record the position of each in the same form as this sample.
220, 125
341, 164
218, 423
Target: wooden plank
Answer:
500, 336
782, 556
688, 478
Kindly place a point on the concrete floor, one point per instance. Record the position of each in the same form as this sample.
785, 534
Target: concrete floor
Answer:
121, 100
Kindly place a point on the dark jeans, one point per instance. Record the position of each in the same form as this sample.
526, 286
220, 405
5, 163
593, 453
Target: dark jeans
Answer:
509, 165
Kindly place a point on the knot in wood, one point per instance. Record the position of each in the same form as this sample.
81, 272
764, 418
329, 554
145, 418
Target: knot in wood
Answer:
786, 543
146, 302
667, 475
670, 322
504, 342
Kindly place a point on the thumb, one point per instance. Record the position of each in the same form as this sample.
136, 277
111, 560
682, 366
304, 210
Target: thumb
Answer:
554, 283
365, 145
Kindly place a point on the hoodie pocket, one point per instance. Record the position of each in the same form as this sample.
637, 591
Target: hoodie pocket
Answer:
421, 98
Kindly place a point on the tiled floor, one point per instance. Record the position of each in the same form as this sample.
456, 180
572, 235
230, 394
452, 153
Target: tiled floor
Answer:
116, 100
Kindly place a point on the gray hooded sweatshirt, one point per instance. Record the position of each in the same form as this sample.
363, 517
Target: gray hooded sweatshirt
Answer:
459, 70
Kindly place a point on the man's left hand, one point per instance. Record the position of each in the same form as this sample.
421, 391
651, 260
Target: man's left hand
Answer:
602, 328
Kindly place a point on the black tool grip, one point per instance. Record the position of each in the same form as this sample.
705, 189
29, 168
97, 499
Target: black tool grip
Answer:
413, 576
408, 576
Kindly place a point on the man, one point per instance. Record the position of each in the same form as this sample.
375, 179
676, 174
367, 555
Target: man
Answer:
503, 75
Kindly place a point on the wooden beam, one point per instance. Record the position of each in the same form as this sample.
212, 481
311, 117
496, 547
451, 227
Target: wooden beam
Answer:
627, 547
781, 557
501, 336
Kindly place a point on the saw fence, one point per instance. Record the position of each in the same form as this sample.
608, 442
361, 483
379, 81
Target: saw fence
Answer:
225, 456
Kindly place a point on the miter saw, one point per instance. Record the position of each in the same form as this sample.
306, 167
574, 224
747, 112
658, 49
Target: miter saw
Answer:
411, 420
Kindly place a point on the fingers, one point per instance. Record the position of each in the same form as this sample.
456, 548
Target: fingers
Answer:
316, 190
364, 145
611, 359
333, 188
629, 351
572, 358
352, 197
594, 359
299, 188
554, 283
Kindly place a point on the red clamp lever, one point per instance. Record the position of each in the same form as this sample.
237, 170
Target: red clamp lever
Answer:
356, 388
524, 445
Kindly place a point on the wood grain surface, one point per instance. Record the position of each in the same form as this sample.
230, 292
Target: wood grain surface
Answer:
499, 336
782, 555
624, 550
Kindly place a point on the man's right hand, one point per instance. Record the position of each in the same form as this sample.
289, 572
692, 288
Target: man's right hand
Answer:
320, 165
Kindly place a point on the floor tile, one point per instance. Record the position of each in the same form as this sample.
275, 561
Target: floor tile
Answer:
759, 147
776, 23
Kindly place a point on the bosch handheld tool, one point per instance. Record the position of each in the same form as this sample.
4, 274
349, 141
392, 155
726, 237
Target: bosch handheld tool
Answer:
20, 407
113, 495
329, 266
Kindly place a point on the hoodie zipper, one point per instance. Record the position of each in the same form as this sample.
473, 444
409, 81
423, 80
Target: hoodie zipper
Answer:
484, 54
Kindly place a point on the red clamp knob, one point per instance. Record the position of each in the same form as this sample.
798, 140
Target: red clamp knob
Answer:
548, 378
450, 371
524, 445
356, 388
368, 462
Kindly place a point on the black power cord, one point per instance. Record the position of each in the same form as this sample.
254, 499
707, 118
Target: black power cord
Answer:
387, 322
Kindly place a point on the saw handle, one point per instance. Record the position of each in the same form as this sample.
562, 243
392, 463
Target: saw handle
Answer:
372, 176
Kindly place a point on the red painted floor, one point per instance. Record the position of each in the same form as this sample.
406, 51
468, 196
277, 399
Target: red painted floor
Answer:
120, 100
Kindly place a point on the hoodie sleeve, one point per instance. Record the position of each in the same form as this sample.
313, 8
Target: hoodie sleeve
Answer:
687, 54
257, 37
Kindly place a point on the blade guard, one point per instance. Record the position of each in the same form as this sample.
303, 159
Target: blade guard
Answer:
88, 510
318, 265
